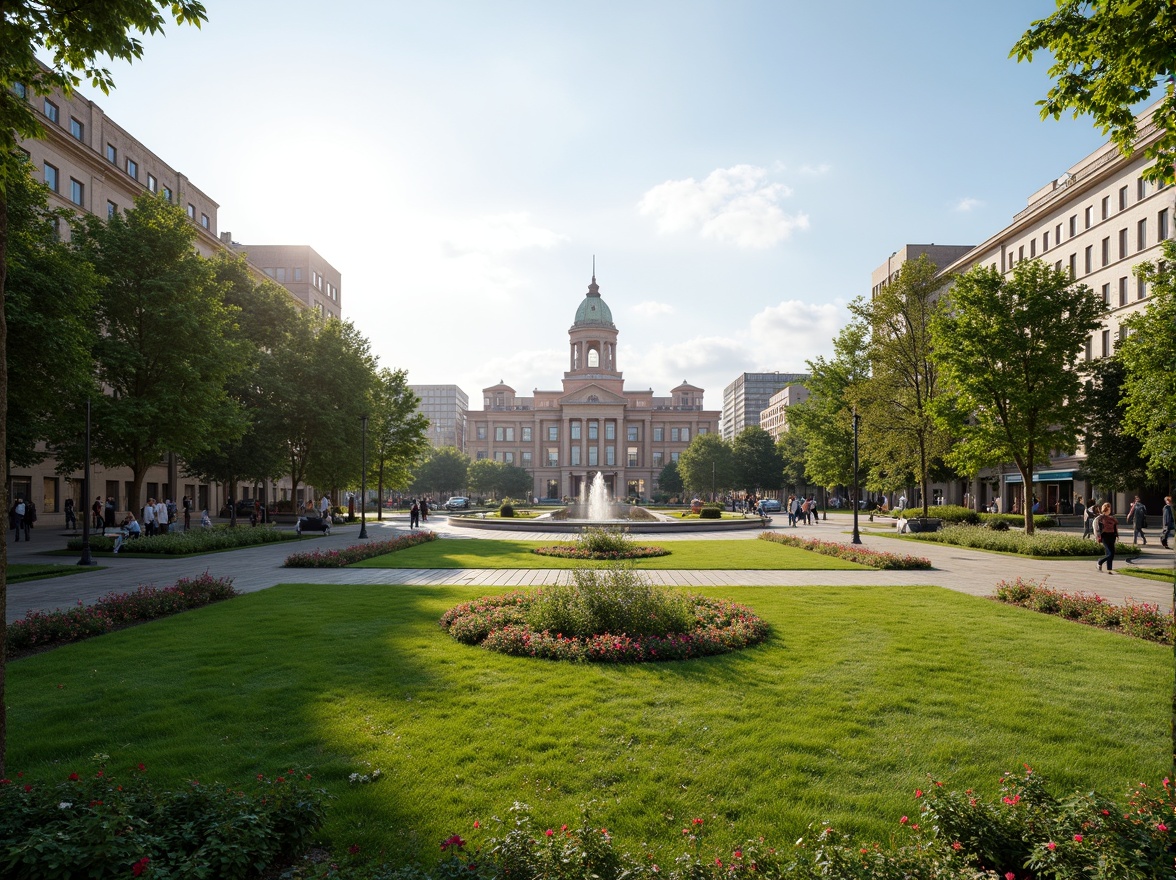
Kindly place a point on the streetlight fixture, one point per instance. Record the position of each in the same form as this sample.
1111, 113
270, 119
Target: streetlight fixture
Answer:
363, 482
857, 538
86, 559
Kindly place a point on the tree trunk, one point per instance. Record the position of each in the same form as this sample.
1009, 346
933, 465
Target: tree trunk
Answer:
1027, 476
380, 494
4, 493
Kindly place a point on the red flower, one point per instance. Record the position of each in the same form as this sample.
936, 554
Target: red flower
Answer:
549, 832
353, 849
1010, 876
73, 777
477, 824
918, 792
1051, 846
140, 866
454, 841
1160, 827
738, 853
903, 820
1077, 838
957, 846
563, 827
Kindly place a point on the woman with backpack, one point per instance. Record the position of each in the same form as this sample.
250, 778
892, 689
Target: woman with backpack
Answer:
1106, 529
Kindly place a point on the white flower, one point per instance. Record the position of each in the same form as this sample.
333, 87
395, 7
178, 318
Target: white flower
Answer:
64, 805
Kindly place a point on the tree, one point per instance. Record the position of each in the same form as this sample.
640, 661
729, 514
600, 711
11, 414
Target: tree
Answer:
1108, 55
320, 387
756, 462
824, 422
482, 477
167, 346
669, 480
265, 317
706, 465
51, 297
793, 453
71, 37
515, 482
1114, 460
398, 432
1149, 359
1009, 349
897, 399
442, 471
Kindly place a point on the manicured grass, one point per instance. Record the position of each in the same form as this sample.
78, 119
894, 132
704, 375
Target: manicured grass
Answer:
28, 571
855, 697
738, 555
1149, 574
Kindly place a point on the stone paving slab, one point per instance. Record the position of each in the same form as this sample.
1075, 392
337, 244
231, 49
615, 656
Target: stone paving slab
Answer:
257, 568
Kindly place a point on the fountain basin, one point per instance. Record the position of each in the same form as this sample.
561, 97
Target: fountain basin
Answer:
574, 526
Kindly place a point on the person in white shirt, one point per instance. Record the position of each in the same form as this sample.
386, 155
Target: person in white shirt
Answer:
149, 516
161, 517
130, 529
325, 507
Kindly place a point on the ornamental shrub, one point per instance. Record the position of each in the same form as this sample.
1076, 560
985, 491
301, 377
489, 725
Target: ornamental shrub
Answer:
97, 826
179, 543
603, 540
1142, 620
1011, 541
507, 509
710, 512
356, 552
873, 558
614, 600
949, 513
46, 629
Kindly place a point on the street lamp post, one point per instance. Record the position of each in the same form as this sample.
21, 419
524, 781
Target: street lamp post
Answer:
86, 559
363, 482
857, 538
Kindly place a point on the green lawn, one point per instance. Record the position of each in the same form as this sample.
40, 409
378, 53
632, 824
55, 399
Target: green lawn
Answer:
29, 571
739, 555
856, 696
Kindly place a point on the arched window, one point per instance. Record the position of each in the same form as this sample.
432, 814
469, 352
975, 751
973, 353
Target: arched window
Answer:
593, 358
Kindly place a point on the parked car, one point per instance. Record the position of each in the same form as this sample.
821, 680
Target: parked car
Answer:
770, 505
457, 502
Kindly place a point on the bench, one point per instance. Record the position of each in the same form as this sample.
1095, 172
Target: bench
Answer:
312, 524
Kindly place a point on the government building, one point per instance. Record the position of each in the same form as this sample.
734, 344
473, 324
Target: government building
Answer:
592, 424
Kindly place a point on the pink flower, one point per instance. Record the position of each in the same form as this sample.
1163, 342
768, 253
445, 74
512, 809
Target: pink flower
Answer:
957, 846
549, 832
563, 827
903, 820
353, 849
1077, 838
738, 853
1010, 876
1160, 827
1051, 846
918, 792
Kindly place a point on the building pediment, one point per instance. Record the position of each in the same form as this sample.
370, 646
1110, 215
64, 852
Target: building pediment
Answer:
591, 395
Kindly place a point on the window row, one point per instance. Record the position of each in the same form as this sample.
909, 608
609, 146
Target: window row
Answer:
578, 430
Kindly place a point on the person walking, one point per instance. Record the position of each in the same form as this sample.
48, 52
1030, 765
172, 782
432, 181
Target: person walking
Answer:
1106, 528
149, 517
1167, 524
424, 509
1137, 518
71, 517
187, 502
1089, 515
108, 512
161, 518
414, 515
16, 517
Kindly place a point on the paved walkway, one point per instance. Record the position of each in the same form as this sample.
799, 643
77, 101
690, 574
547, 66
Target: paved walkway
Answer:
256, 568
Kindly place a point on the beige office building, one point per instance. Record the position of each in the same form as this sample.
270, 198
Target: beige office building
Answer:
592, 424
1098, 220
91, 164
774, 419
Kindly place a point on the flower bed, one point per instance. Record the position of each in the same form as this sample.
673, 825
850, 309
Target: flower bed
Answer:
564, 551
179, 543
356, 552
1051, 545
1142, 620
879, 559
1022, 832
45, 629
98, 825
499, 623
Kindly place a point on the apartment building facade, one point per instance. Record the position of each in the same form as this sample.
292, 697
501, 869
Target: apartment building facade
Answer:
1098, 221
747, 396
90, 164
774, 418
447, 409
592, 424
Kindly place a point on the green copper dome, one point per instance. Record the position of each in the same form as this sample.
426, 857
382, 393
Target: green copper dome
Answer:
593, 310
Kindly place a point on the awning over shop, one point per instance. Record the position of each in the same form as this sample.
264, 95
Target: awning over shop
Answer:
1042, 477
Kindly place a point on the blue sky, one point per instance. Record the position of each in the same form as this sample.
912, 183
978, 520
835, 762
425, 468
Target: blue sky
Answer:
737, 168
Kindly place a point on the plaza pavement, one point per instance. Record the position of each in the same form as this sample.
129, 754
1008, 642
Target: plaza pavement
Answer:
257, 568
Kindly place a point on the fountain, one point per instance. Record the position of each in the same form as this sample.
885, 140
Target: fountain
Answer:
595, 509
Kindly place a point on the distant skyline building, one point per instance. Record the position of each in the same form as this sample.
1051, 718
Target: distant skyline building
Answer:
592, 425
447, 408
746, 397
774, 418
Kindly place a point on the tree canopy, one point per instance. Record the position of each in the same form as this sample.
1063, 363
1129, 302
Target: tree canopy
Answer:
1114, 460
1009, 351
896, 401
756, 461
1149, 357
1108, 56
707, 464
442, 471
397, 432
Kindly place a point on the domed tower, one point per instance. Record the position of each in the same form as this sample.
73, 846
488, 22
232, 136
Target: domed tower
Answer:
593, 339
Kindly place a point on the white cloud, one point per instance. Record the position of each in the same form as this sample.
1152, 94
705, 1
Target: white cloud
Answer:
651, 309
966, 204
816, 170
499, 234
738, 205
795, 325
